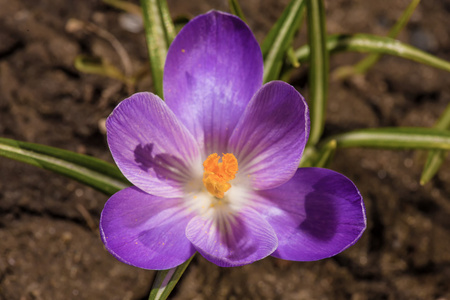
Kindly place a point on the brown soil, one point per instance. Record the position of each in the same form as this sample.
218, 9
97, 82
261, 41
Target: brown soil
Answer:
49, 243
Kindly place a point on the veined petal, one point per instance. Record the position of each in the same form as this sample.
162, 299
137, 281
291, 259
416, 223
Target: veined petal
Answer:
231, 239
269, 140
213, 68
151, 147
146, 231
316, 214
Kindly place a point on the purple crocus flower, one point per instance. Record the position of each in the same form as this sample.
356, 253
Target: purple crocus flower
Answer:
214, 167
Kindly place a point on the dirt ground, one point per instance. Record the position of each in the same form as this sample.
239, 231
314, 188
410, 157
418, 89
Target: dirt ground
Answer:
49, 242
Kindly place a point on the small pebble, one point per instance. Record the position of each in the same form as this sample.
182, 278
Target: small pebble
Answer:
131, 22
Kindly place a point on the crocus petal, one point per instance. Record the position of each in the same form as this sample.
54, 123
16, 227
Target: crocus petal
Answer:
145, 231
269, 140
316, 214
230, 240
151, 147
213, 68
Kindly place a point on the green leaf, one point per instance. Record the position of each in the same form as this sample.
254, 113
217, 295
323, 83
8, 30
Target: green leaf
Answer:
125, 6
403, 20
370, 60
292, 58
319, 159
318, 71
434, 161
236, 10
99, 66
395, 138
435, 158
180, 22
159, 32
279, 39
169, 28
166, 280
325, 155
375, 44
91, 171
309, 155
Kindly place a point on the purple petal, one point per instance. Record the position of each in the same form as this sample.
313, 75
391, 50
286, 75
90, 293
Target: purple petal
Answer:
213, 68
230, 240
150, 146
145, 231
268, 141
316, 214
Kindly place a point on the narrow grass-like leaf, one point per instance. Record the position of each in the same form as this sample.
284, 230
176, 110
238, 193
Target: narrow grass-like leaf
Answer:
166, 280
370, 60
159, 33
309, 155
435, 158
292, 58
375, 44
279, 39
180, 22
434, 161
91, 171
270, 38
74, 25
125, 6
394, 138
403, 20
325, 155
236, 10
318, 70
99, 66
321, 159
169, 27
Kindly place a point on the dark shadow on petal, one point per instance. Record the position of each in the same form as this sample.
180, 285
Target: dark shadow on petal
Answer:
237, 239
321, 220
165, 166
143, 156
190, 80
321, 207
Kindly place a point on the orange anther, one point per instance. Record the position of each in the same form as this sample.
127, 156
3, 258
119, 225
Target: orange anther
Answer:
217, 174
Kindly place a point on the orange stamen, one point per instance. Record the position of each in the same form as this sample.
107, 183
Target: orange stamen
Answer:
217, 174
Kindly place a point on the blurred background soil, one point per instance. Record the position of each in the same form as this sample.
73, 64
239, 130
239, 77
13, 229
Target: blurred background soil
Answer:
49, 241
